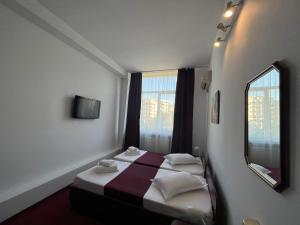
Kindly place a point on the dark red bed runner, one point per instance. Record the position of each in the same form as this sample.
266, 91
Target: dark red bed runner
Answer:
153, 159
132, 184
275, 173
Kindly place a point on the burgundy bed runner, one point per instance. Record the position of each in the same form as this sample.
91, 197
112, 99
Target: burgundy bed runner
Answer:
132, 184
153, 159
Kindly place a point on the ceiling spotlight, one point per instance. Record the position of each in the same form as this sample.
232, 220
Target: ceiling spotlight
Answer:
230, 9
218, 42
228, 13
223, 28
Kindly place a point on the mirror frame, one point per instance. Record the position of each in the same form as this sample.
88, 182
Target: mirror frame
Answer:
284, 125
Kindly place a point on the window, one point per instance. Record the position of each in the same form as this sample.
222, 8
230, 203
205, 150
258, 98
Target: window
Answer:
157, 110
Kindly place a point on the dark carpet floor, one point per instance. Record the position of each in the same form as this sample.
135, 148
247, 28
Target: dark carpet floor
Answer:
54, 210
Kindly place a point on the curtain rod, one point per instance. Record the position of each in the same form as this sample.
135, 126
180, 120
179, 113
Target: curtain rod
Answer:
149, 71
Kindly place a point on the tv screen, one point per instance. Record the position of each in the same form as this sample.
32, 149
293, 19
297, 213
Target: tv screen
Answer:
86, 108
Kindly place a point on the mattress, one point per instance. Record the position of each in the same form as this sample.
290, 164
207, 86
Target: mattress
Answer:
194, 207
196, 169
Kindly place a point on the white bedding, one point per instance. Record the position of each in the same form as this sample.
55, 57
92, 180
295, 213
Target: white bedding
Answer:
196, 169
194, 207
129, 158
92, 181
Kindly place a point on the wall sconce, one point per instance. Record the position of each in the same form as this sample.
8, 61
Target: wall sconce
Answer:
230, 9
223, 28
218, 42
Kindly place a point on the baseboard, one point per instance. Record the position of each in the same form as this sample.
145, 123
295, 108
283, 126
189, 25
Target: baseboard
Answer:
16, 201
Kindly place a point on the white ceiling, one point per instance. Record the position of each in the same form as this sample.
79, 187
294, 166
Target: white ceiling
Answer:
142, 35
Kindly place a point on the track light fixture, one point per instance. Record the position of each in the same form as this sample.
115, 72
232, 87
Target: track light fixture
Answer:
230, 9
223, 28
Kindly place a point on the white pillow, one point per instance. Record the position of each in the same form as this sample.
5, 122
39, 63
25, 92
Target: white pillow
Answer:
107, 162
176, 183
181, 158
261, 168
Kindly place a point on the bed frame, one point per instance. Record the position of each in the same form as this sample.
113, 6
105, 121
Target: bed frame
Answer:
113, 211
211, 187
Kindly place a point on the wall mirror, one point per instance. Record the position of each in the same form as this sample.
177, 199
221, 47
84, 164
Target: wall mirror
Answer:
266, 126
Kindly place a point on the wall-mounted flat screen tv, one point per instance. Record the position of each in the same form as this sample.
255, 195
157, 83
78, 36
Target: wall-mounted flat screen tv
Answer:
86, 108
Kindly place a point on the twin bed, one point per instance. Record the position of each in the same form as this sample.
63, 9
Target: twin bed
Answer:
129, 194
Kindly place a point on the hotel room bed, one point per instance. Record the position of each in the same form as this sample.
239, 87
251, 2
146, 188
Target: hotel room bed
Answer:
155, 159
132, 185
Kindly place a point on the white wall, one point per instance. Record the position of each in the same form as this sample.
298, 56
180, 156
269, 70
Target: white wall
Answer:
39, 75
200, 113
123, 108
265, 31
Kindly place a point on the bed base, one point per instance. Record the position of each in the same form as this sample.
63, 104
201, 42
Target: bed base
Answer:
112, 211
211, 188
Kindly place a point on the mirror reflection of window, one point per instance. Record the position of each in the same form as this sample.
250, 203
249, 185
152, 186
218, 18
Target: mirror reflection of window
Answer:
264, 122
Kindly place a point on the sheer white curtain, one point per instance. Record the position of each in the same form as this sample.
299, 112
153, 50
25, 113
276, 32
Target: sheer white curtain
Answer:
157, 110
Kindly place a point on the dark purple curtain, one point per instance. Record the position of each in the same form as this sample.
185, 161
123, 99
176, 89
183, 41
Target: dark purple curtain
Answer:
183, 112
132, 132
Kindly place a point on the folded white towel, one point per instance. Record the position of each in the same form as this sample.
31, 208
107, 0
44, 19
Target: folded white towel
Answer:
105, 169
107, 162
132, 151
